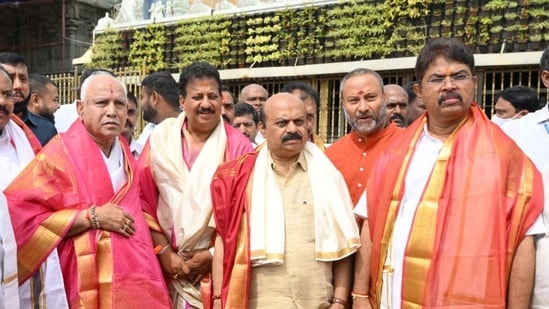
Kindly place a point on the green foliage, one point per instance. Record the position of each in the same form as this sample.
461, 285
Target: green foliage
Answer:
204, 39
107, 51
148, 48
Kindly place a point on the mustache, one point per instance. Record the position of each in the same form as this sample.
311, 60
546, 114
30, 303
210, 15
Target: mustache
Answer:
291, 136
205, 110
4, 109
449, 95
397, 116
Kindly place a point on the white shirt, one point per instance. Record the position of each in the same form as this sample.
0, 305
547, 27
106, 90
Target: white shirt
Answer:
115, 165
531, 133
144, 136
65, 116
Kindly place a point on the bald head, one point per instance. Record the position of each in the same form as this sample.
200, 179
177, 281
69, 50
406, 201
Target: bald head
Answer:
283, 124
255, 95
396, 101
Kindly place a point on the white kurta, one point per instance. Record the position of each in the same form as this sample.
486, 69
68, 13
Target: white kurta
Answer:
15, 153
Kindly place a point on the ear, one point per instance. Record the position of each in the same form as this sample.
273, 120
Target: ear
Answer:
417, 90
182, 102
80, 108
545, 78
34, 99
521, 114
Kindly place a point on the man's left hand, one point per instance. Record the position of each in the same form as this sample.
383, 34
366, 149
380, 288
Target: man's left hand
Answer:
200, 263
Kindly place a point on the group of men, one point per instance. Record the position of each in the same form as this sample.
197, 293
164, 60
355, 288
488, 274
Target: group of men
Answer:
447, 212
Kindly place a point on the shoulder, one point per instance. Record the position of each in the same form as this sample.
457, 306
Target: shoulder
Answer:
338, 145
41, 122
236, 139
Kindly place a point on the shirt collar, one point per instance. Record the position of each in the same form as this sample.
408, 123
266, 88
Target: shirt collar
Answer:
301, 162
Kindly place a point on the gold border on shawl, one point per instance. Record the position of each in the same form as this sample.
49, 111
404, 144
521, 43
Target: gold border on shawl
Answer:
87, 272
9, 279
422, 233
353, 243
152, 223
99, 268
239, 275
105, 269
524, 194
392, 214
44, 239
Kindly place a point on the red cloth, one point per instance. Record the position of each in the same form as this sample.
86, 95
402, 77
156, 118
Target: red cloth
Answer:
230, 203
347, 156
100, 269
491, 194
33, 140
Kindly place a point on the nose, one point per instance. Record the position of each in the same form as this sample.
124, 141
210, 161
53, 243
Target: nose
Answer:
363, 106
397, 109
17, 84
448, 83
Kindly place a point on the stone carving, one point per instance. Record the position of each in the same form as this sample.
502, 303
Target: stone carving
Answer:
180, 7
224, 5
104, 22
157, 10
169, 8
127, 11
199, 7
242, 3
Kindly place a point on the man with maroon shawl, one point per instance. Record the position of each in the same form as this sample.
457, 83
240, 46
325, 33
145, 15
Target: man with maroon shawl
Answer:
452, 204
79, 195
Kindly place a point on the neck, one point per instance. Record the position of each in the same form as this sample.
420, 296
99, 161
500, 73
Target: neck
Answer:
161, 116
284, 164
442, 131
105, 145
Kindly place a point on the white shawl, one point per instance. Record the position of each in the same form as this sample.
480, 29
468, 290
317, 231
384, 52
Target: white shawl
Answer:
184, 201
336, 231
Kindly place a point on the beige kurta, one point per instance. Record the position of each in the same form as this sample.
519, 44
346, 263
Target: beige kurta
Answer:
301, 281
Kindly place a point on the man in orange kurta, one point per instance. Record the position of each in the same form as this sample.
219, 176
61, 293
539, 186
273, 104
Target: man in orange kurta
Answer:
354, 154
452, 223
80, 195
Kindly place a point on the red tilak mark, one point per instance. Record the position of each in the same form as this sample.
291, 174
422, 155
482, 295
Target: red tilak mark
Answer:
360, 92
110, 85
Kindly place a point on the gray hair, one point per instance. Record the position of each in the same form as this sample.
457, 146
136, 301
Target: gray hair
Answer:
93, 76
359, 72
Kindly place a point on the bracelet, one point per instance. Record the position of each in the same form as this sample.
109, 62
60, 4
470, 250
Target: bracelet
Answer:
94, 220
159, 250
359, 295
340, 301
216, 297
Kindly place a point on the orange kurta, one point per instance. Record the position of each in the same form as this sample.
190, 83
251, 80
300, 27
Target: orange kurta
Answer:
481, 198
354, 157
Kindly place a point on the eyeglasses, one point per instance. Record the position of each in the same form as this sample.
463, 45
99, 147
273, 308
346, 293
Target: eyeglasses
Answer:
8, 95
458, 80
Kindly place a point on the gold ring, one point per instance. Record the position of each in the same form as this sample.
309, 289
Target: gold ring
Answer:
175, 276
125, 226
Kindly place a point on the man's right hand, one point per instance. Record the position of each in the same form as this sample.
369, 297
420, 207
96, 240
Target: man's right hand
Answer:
112, 217
173, 264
